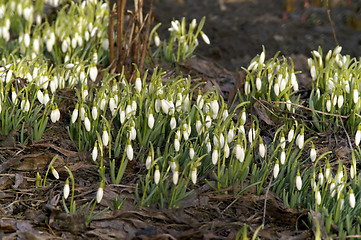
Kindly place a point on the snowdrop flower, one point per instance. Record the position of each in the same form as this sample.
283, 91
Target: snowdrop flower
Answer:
165, 104
291, 134
82, 112
258, 84
261, 149
358, 135
313, 72
333, 188
132, 132
87, 123
25, 105
208, 120
129, 151
105, 137
156, 175
215, 155
328, 171
261, 58
194, 175
247, 88
100, 193
318, 196
93, 72
313, 153
298, 181
138, 84
186, 103
230, 134
191, 152
352, 199
276, 88
328, 104
55, 114
283, 157
173, 123
54, 172
198, 125
148, 161
122, 115
205, 38
46, 98
316, 54
294, 82
95, 152
239, 151
26, 40
251, 134
225, 113
175, 177
94, 111
340, 101
276, 169
355, 96
74, 115
320, 177
200, 100
176, 143
173, 165
215, 108
185, 132
156, 39
66, 190
244, 116
151, 120
337, 50
300, 139
226, 150
209, 146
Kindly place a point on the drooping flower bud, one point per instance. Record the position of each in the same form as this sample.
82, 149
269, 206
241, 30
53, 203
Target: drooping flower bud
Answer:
105, 137
129, 151
215, 155
262, 149
276, 169
194, 175
156, 175
95, 152
54, 172
298, 181
66, 190
313, 153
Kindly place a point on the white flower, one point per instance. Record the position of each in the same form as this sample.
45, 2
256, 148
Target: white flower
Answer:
156, 40
298, 181
40, 96
205, 38
175, 177
191, 152
95, 152
173, 165
313, 72
100, 193
283, 141
294, 82
25, 105
208, 120
105, 137
150, 120
328, 172
198, 126
55, 115
313, 153
165, 104
258, 84
200, 101
332, 188
316, 54
215, 155
244, 116
320, 177
337, 50
251, 135
358, 135
54, 172
194, 175
87, 123
230, 134
247, 88
355, 96
122, 115
300, 139
340, 101
129, 151
138, 84
175, 26
209, 146
66, 190
352, 199
148, 161
276, 88
283, 157
328, 105
74, 115
156, 175
46, 98
27, 40
239, 151
94, 112
261, 149
261, 58
93, 72
276, 169
215, 108
318, 196
291, 134
176, 144
352, 171
173, 123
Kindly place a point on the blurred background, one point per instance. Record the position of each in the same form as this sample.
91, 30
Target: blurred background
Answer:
238, 28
